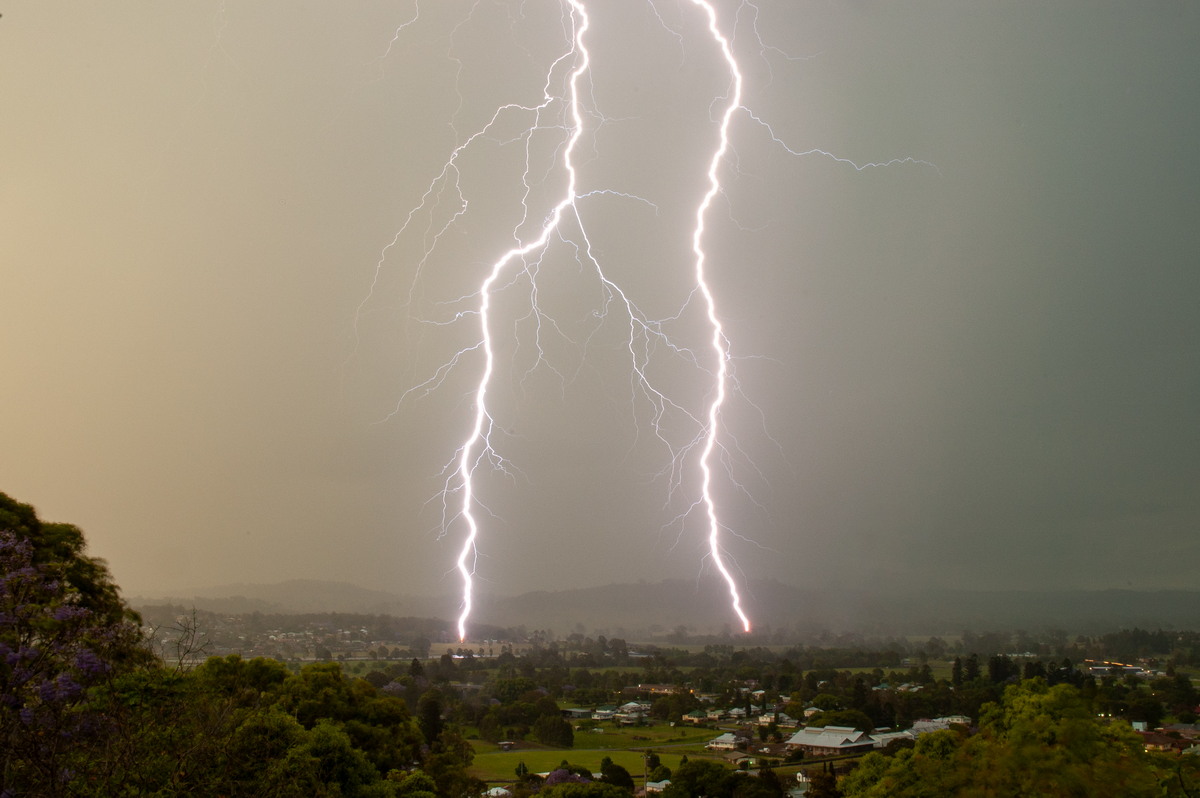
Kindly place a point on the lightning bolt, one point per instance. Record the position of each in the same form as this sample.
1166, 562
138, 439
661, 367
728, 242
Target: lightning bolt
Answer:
561, 110
719, 343
479, 437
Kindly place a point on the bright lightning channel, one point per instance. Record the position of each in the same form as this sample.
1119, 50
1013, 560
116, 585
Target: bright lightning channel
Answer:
477, 445
477, 448
719, 344
479, 436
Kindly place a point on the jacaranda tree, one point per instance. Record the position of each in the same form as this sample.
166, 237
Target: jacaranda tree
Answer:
53, 649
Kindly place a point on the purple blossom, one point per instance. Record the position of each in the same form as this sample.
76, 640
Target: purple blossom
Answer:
68, 688
89, 664
68, 612
51, 651
563, 776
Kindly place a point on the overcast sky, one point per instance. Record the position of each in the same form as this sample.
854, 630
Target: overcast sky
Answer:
980, 374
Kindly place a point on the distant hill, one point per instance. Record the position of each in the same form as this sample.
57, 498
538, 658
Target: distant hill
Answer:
660, 608
703, 608
302, 596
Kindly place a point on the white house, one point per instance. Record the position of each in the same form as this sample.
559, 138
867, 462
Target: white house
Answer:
821, 741
726, 742
783, 719
924, 726
881, 739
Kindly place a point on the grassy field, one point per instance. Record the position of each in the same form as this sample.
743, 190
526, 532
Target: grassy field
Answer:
669, 742
643, 737
502, 765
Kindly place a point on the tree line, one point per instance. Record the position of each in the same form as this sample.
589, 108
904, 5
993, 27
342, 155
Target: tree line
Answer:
88, 709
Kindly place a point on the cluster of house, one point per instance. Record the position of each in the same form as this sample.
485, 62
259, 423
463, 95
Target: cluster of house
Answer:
631, 713
1181, 738
702, 716
1101, 669
833, 740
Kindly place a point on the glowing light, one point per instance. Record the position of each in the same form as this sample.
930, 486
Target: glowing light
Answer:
561, 108
719, 344
477, 447
481, 428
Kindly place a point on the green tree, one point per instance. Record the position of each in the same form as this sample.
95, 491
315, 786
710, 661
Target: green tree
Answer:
245, 681
971, 668
377, 723
1038, 740
767, 783
612, 773
826, 701
87, 710
554, 730
256, 758
61, 547
843, 717
823, 784
447, 764
699, 777
327, 751
429, 714
416, 785
55, 651
1001, 669
490, 728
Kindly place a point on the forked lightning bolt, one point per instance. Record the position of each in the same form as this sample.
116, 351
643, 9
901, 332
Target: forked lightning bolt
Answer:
479, 438
478, 444
564, 110
719, 344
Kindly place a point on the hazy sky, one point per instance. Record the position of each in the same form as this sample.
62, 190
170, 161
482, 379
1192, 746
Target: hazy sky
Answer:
982, 374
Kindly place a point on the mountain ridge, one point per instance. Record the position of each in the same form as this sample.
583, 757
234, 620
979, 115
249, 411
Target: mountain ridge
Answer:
702, 607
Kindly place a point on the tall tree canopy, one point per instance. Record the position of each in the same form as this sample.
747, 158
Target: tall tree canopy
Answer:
61, 547
87, 710
1038, 740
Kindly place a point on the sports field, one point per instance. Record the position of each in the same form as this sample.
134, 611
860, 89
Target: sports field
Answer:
625, 746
